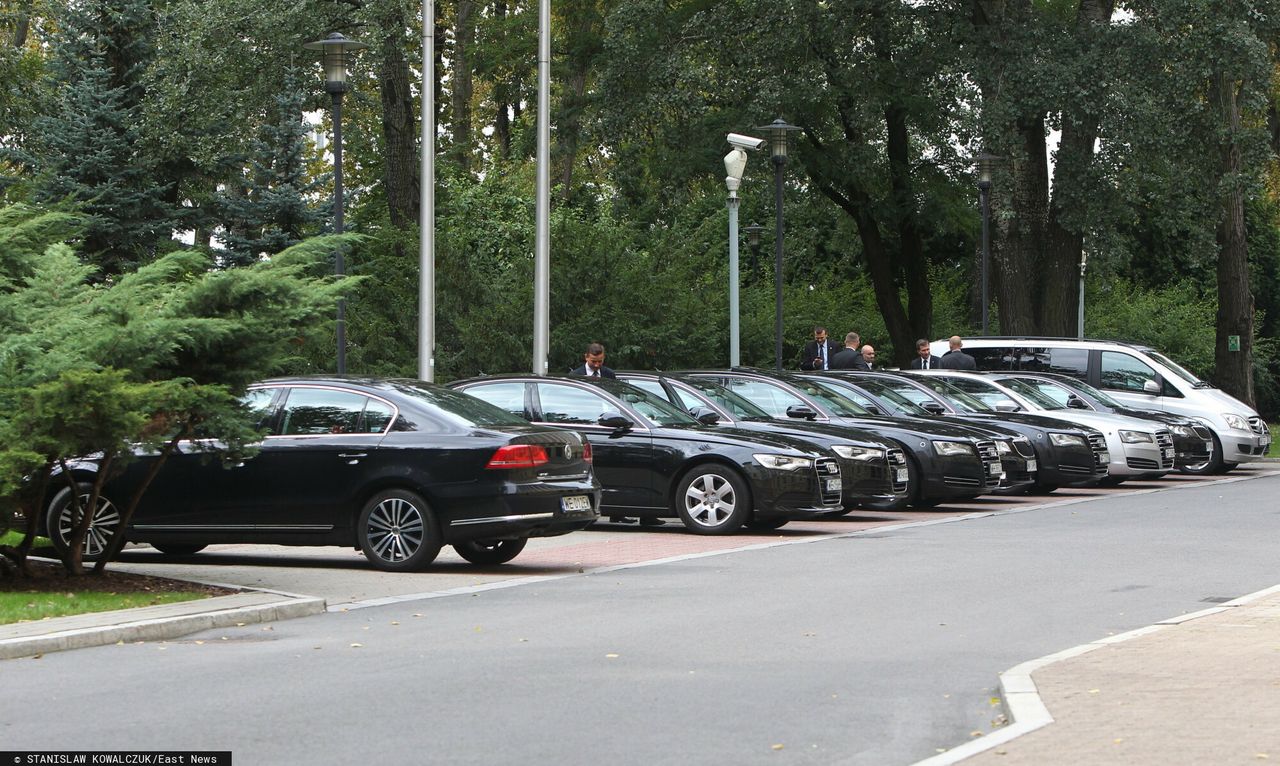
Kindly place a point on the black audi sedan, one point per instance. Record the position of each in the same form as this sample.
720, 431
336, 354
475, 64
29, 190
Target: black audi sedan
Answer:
873, 470
394, 468
1192, 440
947, 462
1064, 454
655, 460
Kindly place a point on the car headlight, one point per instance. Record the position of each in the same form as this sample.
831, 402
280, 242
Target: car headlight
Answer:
1238, 422
952, 448
1066, 440
784, 462
1136, 437
850, 452
1003, 447
1181, 430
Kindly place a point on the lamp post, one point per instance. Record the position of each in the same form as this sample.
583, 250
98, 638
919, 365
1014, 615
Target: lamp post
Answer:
777, 131
337, 52
427, 202
735, 162
986, 163
1084, 259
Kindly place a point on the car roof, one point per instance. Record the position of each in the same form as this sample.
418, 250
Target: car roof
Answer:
1057, 340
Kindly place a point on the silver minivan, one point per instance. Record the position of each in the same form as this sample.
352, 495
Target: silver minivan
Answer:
1138, 376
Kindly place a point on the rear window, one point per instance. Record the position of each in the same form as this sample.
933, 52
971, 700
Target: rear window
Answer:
457, 407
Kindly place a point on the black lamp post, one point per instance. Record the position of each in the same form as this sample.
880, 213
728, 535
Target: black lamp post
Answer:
777, 131
337, 52
986, 164
753, 241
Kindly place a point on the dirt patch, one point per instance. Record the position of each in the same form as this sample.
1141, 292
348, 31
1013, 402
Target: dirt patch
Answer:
52, 578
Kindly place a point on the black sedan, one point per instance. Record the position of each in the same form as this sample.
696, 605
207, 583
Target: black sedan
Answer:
947, 462
396, 469
1192, 440
1065, 454
873, 469
655, 460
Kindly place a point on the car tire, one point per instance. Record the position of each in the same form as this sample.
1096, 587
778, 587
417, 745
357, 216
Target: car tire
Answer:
712, 499
397, 531
178, 549
1213, 464
490, 552
769, 524
60, 522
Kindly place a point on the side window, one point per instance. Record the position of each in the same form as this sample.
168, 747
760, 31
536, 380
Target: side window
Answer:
989, 396
1030, 358
567, 404
688, 402
507, 396
377, 416
1069, 361
652, 386
309, 411
770, 398
1122, 372
990, 358
258, 402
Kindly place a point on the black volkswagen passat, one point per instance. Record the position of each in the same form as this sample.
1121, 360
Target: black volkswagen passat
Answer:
947, 462
1192, 440
394, 468
655, 460
1017, 457
873, 470
1064, 454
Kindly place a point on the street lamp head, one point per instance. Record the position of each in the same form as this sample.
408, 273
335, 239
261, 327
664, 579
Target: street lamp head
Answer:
337, 50
778, 131
986, 166
753, 234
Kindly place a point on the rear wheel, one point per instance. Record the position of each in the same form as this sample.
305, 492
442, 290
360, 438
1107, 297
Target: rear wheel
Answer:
62, 519
1212, 464
178, 549
397, 531
490, 552
712, 500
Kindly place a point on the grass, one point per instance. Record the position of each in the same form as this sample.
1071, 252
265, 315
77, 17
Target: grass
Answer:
1275, 440
26, 607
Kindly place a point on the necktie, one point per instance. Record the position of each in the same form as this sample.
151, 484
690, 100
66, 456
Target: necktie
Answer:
926, 362
823, 350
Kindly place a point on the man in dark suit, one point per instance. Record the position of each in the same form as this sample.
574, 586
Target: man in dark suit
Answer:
924, 360
850, 357
955, 359
593, 363
818, 352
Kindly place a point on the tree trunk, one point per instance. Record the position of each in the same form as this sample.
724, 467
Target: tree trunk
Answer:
1233, 370
502, 96
399, 127
915, 267
464, 35
1014, 270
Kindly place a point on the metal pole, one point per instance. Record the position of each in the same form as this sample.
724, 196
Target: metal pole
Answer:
734, 359
339, 266
542, 253
984, 191
427, 202
778, 162
1080, 308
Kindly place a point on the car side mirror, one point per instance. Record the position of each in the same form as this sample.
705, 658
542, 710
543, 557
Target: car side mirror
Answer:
705, 415
616, 420
1005, 405
1150, 387
933, 408
801, 411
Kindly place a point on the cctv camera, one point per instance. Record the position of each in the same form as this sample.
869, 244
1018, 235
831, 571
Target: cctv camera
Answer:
745, 142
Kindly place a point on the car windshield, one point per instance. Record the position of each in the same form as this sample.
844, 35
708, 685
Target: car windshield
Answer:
903, 396
458, 407
1029, 391
1059, 393
861, 395
656, 409
737, 406
1090, 391
961, 400
1178, 370
831, 398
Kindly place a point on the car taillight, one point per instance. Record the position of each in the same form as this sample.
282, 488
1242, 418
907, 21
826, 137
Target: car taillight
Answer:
518, 456
586, 451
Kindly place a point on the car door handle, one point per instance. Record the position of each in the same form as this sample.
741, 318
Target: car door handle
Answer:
352, 457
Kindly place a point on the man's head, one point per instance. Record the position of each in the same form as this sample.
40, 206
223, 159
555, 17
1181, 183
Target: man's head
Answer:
868, 354
955, 343
820, 334
922, 348
851, 340
594, 356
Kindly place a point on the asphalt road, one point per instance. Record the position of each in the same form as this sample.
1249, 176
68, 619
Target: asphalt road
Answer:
879, 648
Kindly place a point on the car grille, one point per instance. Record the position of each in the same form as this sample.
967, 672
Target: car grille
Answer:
1142, 464
990, 457
827, 468
1023, 447
1202, 432
1164, 440
1257, 425
1098, 443
896, 459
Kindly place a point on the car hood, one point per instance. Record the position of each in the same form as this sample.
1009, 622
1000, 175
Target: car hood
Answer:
741, 437
1103, 421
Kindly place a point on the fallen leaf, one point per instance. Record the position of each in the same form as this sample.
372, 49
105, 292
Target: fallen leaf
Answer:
199, 642
1094, 691
356, 646
395, 622
611, 656
777, 747
975, 734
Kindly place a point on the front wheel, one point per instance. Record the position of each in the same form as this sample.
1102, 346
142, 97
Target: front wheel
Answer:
397, 531
712, 500
490, 552
1210, 465
62, 519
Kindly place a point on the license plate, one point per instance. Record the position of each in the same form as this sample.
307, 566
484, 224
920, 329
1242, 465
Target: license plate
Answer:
994, 469
575, 503
1168, 453
1031, 464
1208, 447
902, 476
1104, 457
1266, 440
833, 485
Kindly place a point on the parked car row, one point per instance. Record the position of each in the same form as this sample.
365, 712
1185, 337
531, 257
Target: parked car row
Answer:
398, 469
